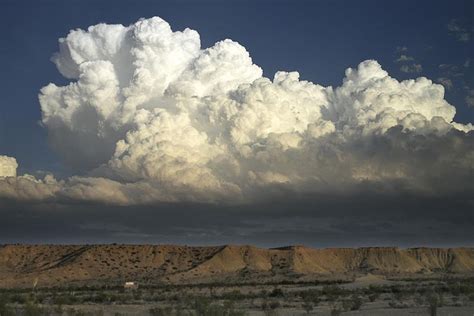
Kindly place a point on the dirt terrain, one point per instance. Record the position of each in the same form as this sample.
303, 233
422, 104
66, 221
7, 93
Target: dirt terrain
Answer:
23, 266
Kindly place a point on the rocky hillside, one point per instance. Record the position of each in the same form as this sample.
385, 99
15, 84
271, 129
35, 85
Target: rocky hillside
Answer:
62, 265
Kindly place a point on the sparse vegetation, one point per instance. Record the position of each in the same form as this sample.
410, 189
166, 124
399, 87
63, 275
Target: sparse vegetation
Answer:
230, 299
5, 308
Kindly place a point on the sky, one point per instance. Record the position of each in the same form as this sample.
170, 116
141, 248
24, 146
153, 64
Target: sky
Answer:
137, 121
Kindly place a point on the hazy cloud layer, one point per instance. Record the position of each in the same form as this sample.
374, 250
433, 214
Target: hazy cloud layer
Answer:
151, 116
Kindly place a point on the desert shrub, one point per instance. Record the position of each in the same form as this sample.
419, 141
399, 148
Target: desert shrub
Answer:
312, 296
433, 303
352, 304
137, 295
399, 295
203, 307
269, 307
346, 305
18, 298
356, 302
274, 304
160, 311
270, 312
65, 299
336, 311
333, 292
373, 296
58, 309
276, 292
433, 309
455, 288
435, 298
33, 309
374, 289
233, 295
308, 307
466, 288
419, 300
5, 308
397, 304
99, 313
100, 297
75, 312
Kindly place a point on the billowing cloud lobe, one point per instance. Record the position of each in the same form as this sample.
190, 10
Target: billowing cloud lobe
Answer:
151, 116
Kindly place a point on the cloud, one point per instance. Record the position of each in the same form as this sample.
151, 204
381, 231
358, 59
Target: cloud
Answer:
8, 166
467, 63
149, 116
470, 98
451, 70
413, 68
409, 64
401, 49
446, 82
404, 58
458, 30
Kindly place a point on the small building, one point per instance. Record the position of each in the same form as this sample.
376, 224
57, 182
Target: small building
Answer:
130, 285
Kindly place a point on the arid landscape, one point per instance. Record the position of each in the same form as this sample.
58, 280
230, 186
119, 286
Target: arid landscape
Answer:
234, 280
237, 158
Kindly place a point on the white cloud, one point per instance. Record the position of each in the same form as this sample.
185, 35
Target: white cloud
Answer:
8, 166
413, 68
404, 58
446, 82
150, 116
462, 33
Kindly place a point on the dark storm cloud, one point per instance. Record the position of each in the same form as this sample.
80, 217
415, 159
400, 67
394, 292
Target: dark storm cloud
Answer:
320, 221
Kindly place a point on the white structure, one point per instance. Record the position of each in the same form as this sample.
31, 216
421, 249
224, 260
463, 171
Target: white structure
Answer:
130, 285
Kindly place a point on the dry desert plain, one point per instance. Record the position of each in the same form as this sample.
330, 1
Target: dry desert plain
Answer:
234, 280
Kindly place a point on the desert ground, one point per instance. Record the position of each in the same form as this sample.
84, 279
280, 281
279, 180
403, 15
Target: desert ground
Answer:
234, 280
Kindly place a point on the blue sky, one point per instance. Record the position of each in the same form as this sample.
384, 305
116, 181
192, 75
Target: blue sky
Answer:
319, 39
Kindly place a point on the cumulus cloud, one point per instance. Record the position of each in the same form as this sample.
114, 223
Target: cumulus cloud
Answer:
151, 116
8, 166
